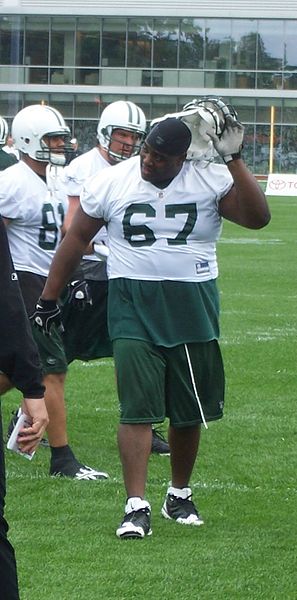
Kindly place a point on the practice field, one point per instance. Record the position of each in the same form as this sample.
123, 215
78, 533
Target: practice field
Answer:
244, 482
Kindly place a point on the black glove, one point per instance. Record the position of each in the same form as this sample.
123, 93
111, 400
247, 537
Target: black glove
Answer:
79, 294
46, 314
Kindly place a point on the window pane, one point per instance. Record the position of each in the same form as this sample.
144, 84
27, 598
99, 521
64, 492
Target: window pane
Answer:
37, 41
290, 61
139, 43
166, 34
11, 40
191, 78
216, 78
63, 103
10, 104
244, 41
270, 45
218, 43
242, 79
113, 42
162, 105
290, 112
191, 43
62, 41
88, 41
245, 107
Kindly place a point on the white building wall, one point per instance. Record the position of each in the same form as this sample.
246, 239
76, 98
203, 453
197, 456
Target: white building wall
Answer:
254, 9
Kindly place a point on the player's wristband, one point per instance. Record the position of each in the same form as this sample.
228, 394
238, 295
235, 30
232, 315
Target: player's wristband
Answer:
229, 157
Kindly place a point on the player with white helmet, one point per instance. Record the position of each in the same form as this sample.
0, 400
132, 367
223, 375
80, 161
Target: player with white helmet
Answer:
120, 133
33, 215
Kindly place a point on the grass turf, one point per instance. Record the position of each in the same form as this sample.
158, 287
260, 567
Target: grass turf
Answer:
244, 481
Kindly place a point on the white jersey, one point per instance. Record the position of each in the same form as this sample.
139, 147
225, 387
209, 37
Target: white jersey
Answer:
36, 218
160, 234
75, 174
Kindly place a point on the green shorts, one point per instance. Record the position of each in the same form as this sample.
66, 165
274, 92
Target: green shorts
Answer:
155, 382
50, 348
51, 351
86, 334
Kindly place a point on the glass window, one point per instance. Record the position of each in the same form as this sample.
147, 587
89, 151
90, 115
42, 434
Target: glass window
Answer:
88, 42
191, 43
62, 41
290, 111
262, 148
35, 98
218, 43
263, 110
242, 79
10, 104
140, 35
245, 107
165, 44
11, 40
272, 81
190, 78
290, 58
63, 103
244, 44
113, 42
216, 78
38, 75
288, 150
37, 41
162, 105
270, 45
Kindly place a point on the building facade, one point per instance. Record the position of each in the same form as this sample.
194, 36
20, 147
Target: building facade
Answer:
79, 57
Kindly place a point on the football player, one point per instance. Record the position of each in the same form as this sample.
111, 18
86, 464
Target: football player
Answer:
6, 160
120, 133
33, 213
164, 216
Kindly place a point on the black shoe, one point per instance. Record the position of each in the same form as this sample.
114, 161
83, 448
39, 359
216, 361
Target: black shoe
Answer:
181, 510
75, 470
137, 521
12, 423
159, 444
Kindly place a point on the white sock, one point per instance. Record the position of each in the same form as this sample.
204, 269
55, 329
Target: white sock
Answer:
180, 492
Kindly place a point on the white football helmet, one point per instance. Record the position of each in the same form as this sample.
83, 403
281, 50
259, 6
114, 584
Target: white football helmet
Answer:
125, 115
203, 116
32, 124
3, 131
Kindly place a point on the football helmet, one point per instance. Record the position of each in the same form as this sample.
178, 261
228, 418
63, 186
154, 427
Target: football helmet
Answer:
125, 115
203, 116
32, 124
3, 131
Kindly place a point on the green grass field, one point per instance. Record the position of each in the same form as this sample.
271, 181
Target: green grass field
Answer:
244, 481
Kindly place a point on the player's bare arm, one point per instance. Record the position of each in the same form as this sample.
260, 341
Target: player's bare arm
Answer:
245, 204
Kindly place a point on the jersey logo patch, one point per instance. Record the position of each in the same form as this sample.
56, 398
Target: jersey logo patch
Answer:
202, 267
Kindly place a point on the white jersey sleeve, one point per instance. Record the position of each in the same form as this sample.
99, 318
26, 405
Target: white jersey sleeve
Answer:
74, 176
160, 234
35, 215
81, 168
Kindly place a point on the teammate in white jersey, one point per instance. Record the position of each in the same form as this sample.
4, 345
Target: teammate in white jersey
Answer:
33, 214
120, 132
164, 218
